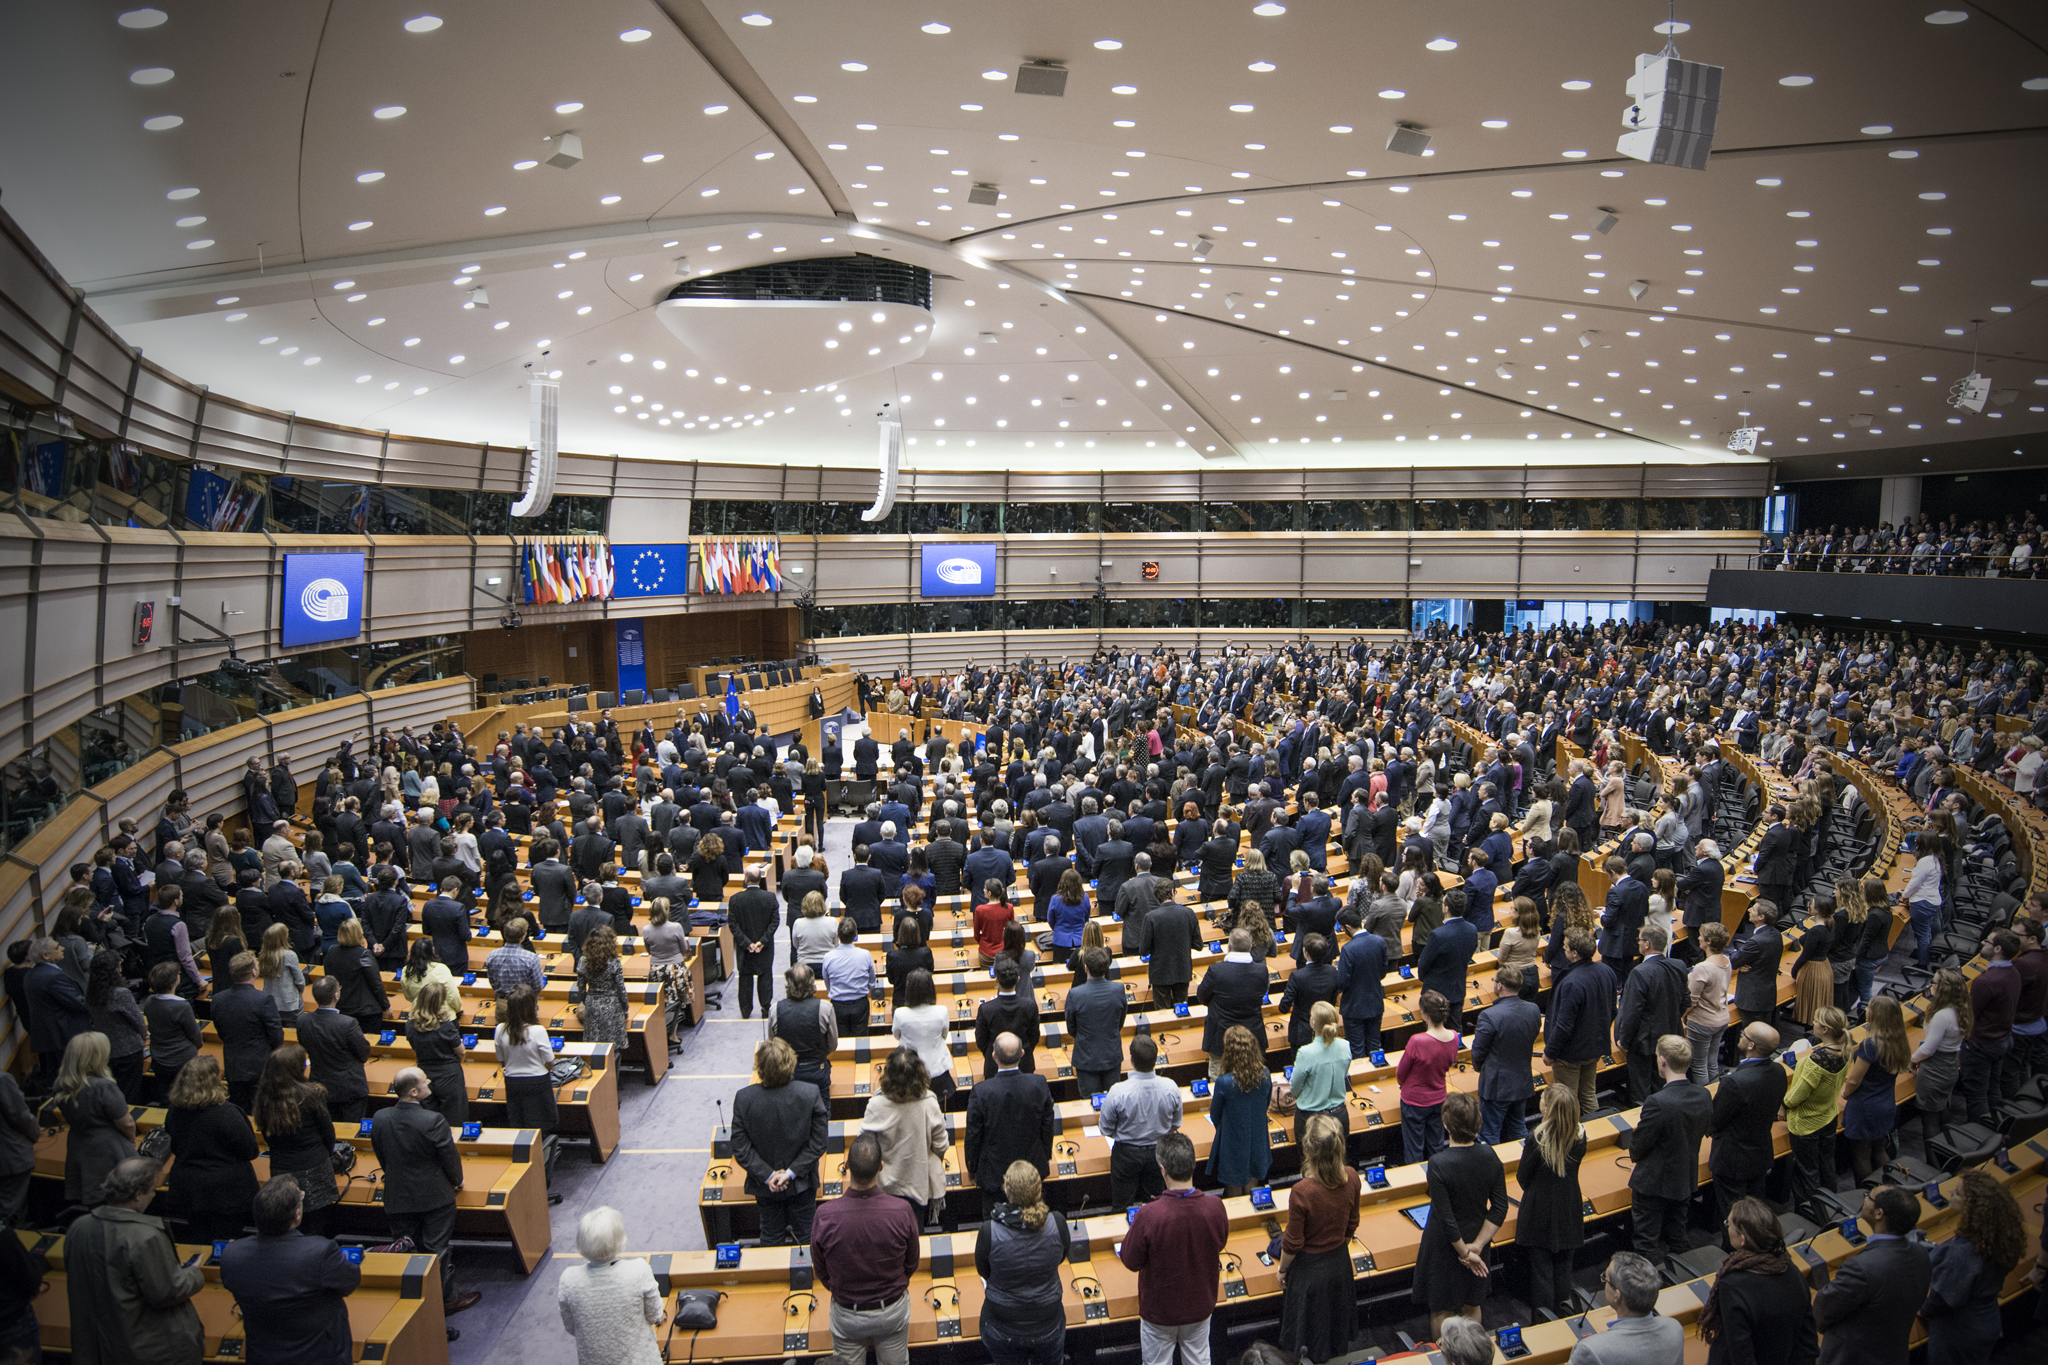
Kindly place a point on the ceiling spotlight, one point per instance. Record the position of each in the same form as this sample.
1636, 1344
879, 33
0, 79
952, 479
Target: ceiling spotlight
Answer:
1503, 372
984, 193
1203, 246
1408, 140
1586, 339
1040, 77
568, 150
1638, 288
1604, 224
478, 299
1230, 302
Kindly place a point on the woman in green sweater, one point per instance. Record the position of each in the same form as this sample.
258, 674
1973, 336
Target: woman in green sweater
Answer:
1321, 1071
1811, 1104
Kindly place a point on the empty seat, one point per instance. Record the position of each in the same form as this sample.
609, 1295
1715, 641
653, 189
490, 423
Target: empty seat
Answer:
634, 697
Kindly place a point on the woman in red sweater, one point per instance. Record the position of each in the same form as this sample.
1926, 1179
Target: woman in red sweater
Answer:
1424, 1063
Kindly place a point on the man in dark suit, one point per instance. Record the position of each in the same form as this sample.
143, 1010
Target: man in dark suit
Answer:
867, 757
1628, 905
1168, 935
1044, 875
447, 923
422, 1172
1312, 830
554, 888
57, 1012
1091, 832
246, 1020
1699, 893
292, 1289
1776, 863
1012, 1012
1641, 851
862, 889
1581, 811
1445, 957
799, 882
1754, 964
1010, 1117
1115, 865
1234, 990
337, 1048
779, 1127
889, 855
988, 862
1502, 1047
1580, 1033
1745, 1108
1653, 1003
591, 851
1865, 1313
1360, 967
1665, 1147
753, 917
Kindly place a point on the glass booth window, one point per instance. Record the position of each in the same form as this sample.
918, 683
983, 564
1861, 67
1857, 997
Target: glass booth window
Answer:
48, 476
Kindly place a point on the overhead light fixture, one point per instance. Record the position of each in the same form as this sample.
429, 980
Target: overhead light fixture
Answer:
1638, 288
1504, 372
568, 150
1604, 224
682, 264
1672, 121
1586, 339
1041, 77
984, 193
1203, 246
1743, 439
478, 298
1408, 140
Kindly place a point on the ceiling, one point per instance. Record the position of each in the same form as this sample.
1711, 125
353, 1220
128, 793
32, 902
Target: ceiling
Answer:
1869, 227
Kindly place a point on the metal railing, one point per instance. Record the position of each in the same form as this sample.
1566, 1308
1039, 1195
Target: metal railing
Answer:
1954, 565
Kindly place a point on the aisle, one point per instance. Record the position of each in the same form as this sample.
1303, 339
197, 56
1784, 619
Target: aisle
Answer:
653, 1178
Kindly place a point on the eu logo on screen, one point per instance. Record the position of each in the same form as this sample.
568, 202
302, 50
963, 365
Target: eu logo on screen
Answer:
959, 570
322, 598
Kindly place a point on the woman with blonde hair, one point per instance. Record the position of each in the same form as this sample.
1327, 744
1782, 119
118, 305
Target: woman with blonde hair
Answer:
906, 1117
1811, 1103
1318, 1312
816, 933
1322, 1068
610, 1303
1018, 1253
1550, 1223
283, 979
1869, 1103
436, 1040
102, 1132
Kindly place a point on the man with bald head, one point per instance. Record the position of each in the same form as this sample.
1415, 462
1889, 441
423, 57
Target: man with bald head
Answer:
1745, 1107
422, 1172
1009, 1118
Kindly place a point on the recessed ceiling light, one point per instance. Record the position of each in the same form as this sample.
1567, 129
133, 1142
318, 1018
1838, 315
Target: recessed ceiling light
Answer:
1240, 108
1902, 154
189, 192
200, 245
1493, 123
936, 27
715, 108
865, 127
1108, 44
425, 23
1393, 94
369, 177
1948, 16
1269, 10
388, 111
1578, 85
569, 107
234, 317
2036, 83
806, 99
374, 322
1770, 182
1123, 90
151, 75
1795, 80
635, 35
1572, 155
231, 298
707, 193
757, 20
1877, 129
853, 66
995, 75
162, 123
610, 199
358, 227
1261, 66
652, 157
142, 18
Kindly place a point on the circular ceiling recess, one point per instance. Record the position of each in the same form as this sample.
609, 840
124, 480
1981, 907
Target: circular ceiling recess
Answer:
799, 324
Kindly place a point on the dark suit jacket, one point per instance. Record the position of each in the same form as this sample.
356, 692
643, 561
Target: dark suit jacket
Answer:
1745, 1108
1502, 1045
1653, 1001
292, 1291
1665, 1143
554, 894
1009, 1118
987, 864
1699, 890
1774, 858
1044, 878
1235, 993
417, 1152
780, 1129
1755, 964
57, 1009
447, 923
1168, 934
1445, 958
1628, 904
1014, 1013
247, 1022
1768, 1319
1580, 813
862, 890
337, 1047
1360, 966
1866, 1312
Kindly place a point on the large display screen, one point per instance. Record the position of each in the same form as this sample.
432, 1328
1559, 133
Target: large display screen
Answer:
322, 599
959, 570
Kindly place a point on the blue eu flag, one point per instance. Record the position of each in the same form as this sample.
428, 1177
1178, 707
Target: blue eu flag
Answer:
732, 699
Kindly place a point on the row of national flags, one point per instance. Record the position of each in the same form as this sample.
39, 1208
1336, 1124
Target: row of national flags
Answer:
567, 570
739, 564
